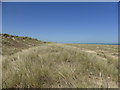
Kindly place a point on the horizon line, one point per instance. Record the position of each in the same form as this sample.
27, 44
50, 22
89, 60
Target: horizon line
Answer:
76, 42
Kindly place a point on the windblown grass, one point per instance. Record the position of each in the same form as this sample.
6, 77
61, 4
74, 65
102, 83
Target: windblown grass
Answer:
59, 66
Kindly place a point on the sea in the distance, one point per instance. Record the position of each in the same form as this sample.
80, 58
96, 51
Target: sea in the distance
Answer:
91, 43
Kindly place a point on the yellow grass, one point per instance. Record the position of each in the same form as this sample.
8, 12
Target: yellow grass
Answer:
61, 66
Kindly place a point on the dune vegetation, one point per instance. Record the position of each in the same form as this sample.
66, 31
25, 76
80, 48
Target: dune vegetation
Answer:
56, 65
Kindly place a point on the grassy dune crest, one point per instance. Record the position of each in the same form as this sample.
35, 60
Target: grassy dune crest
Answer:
12, 44
60, 66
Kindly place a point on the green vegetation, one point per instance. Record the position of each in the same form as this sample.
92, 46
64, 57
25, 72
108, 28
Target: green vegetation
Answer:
55, 65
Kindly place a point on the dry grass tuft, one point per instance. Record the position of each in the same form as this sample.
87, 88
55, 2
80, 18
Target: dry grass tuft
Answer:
59, 66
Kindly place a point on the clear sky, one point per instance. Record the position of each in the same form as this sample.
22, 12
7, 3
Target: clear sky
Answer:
71, 22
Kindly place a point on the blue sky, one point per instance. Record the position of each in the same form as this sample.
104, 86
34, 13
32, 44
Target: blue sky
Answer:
71, 22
